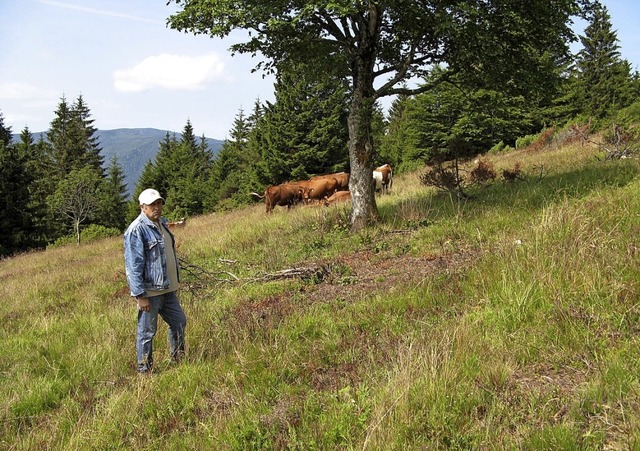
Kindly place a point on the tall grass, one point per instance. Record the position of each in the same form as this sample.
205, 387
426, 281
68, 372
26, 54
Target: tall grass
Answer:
509, 320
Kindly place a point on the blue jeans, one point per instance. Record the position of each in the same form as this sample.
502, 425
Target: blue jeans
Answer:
168, 307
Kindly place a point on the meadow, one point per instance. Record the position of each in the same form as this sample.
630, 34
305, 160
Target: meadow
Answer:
509, 320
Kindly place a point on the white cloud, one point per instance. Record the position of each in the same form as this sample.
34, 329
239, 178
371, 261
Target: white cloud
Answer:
174, 72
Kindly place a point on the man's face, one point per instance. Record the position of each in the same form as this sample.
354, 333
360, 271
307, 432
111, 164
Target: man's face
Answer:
153, 211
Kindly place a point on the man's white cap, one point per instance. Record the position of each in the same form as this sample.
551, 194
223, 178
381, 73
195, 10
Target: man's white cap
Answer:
149, 196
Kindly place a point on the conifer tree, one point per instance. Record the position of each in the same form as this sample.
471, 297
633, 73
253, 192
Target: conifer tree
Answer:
15, 218
227, 184
188, 171
113, 205
304, 132
61, 140
72, 138
87, 135
5, 132
156, 174
399, 144
41, 167
180, 173
604, 78
148, 179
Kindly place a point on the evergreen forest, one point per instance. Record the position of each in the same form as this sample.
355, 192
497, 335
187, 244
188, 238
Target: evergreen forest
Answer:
58, 189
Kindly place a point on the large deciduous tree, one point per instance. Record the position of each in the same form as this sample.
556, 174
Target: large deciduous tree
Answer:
377, 45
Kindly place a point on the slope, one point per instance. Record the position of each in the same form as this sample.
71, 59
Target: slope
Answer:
504, 321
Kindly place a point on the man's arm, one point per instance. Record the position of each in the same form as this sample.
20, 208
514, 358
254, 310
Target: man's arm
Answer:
134, 258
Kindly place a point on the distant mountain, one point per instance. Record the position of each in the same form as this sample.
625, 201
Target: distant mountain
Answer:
134, 147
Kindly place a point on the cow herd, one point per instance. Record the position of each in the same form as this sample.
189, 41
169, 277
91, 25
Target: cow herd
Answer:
321, 189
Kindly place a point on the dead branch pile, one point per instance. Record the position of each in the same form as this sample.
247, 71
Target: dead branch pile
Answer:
304, 273
202, 277
199, 277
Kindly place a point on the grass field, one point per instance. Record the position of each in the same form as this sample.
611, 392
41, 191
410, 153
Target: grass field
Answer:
507, 321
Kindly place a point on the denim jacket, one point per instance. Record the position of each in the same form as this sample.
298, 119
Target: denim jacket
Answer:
145, 259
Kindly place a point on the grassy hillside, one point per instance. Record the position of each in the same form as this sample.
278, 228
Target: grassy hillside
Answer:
509, 321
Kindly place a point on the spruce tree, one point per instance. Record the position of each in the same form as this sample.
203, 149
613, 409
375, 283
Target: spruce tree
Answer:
73, 139
89, 143
148, 179
400, 143
42, 168
15, 217
604, 78
230, 166
61, 140
188, 170
5, 132
113, 203
304, 132
157, 174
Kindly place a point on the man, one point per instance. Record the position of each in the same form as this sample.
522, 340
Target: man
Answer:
152, 272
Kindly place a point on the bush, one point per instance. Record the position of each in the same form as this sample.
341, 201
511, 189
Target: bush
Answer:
511, 175
630, 115
500, 147
97, 232
484, 172
91, 233
525, 141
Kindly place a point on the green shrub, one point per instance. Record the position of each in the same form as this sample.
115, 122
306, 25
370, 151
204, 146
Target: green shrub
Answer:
500, 147
91, 233
525, 141
629, 115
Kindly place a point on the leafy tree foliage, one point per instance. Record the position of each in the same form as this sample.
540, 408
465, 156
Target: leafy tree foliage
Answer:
391, 41
77, 197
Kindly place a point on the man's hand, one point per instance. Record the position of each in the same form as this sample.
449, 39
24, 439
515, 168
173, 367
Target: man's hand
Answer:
144, 304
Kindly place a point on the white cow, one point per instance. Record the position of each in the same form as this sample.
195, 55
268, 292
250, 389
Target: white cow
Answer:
383, 178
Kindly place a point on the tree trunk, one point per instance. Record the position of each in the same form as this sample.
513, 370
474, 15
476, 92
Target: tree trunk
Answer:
364, 209
361, 150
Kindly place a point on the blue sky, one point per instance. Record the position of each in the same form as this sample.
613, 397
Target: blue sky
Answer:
134, 72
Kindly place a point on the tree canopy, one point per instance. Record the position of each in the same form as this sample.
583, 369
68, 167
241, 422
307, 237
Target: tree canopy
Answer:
376, 46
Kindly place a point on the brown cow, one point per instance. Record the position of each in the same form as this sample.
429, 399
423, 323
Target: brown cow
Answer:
383, 178
341, 177
319, 189
285, 194
338, 196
